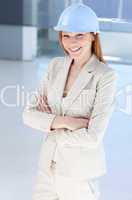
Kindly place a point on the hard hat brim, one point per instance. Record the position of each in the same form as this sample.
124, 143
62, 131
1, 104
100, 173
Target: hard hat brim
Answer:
71, 29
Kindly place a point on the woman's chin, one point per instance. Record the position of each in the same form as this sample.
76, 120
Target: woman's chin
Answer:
74, 56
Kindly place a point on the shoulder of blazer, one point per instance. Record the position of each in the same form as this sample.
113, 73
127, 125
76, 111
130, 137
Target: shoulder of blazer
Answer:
103, 68
54, 63
54, 66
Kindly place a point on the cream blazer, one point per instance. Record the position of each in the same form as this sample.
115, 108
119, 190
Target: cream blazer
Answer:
80, 153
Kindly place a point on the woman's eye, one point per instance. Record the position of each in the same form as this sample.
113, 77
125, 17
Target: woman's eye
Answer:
65, 36
79, 35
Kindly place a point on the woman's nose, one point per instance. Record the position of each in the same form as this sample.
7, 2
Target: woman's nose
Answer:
73, 39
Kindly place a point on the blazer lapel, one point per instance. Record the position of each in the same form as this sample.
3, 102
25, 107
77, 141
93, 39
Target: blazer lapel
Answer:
56, 91
82, 79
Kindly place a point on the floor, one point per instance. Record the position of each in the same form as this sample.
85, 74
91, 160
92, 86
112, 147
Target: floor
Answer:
20, 145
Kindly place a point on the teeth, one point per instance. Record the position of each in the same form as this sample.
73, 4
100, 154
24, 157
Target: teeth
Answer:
75, 49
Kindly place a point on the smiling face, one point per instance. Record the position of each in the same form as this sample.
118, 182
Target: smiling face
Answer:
78, 45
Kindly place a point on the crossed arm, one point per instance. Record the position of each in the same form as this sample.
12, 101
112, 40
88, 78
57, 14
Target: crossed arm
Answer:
61, 122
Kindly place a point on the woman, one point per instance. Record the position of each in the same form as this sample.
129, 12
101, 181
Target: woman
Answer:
74, 105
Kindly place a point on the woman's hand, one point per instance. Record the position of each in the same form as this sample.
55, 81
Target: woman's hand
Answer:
73, 123
42, 104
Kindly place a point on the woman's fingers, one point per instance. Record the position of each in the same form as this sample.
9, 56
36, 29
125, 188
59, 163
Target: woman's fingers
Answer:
43, 104
44, 98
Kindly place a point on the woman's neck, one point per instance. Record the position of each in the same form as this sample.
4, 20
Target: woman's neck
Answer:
80, 63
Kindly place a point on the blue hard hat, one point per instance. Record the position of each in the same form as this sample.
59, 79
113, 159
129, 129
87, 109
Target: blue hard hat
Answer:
78, 17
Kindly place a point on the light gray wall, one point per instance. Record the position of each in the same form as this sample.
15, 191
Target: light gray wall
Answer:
10, 42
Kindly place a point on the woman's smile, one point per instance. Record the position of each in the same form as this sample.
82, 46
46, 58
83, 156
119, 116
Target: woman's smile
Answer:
75, 50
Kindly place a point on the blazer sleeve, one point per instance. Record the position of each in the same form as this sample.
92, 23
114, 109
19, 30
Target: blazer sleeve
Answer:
103, 107
33, 117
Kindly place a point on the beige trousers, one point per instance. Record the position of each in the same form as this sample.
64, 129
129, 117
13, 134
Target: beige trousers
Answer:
51, 186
